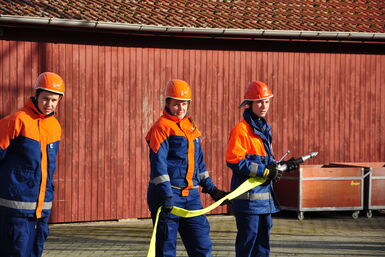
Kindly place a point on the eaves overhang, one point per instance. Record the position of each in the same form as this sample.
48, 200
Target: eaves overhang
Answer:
192, 31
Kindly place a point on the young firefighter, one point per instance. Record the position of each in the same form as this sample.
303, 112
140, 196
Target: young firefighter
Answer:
177, 170
29, 142
250, 154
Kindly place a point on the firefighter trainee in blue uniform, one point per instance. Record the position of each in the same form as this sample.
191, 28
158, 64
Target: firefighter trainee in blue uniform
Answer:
29, 142
177, 170
250, 154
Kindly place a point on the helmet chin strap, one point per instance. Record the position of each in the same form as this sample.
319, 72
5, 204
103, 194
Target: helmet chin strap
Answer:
38, 91
34, 101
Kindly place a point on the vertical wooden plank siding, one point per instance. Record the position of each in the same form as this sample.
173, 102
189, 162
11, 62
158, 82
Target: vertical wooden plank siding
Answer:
332, 103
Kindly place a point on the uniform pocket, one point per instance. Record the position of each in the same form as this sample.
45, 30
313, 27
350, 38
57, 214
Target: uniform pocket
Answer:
14, 235
178, 147
23, 181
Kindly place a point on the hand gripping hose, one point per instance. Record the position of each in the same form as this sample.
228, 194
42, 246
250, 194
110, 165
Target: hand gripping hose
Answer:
243, 188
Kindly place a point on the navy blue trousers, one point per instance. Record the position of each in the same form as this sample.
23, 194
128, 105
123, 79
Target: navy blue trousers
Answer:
195, 232
22, 237
253, 237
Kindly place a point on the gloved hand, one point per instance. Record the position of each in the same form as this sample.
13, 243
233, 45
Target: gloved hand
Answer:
273, 173
291, 165
217, 194
167, 205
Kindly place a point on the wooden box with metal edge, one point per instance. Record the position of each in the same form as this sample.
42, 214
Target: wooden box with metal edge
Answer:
374, 186
320, 188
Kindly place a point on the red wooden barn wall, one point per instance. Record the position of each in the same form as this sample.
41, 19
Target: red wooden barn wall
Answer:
332, 103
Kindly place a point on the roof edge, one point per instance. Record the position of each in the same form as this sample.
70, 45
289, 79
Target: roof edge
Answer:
251, 33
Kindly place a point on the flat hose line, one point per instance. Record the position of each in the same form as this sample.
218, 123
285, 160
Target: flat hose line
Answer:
243, 188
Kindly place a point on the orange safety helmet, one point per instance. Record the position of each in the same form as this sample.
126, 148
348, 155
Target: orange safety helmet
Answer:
51, 82
178, 89
255, 91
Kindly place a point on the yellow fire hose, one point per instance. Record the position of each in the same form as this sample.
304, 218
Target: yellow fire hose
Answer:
246, 186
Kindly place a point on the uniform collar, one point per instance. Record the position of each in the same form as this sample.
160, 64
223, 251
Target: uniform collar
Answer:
256, 122
261, 128
259, 125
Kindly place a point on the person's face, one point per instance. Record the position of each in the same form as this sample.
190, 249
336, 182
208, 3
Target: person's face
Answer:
47, 102
261, 107
178, 108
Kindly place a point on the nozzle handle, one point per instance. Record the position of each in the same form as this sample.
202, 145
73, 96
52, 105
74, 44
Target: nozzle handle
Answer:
283, 157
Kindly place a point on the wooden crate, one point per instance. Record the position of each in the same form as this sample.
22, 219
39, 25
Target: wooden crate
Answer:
318, 188
376, 190
374, 196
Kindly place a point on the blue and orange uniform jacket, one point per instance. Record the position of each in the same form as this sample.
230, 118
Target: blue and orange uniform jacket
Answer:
29, 142
249, 151
176, 158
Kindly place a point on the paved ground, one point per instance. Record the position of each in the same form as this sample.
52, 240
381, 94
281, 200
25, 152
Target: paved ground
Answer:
319, 234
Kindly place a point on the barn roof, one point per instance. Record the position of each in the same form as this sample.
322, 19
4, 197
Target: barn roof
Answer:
363, 16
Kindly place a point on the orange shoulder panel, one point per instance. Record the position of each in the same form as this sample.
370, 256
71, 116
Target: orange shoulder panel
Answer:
17, 124
155, 137
243, 141
30, 128
9, 129
187, 126
159, 132
238, 145
21, 123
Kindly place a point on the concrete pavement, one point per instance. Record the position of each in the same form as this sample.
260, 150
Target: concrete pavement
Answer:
319, 234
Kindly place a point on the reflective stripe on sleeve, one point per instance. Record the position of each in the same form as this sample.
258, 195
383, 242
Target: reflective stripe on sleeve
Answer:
160, 179
204, 175
23, 205
253, 170
258, 196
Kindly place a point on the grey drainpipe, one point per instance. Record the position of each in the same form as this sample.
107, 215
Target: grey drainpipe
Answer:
288, 34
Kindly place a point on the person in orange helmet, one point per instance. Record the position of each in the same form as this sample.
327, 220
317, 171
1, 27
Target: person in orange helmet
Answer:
250, 154
29, 142
177, 170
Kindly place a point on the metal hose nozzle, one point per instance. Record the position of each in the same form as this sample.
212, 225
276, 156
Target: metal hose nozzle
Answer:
309, 156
